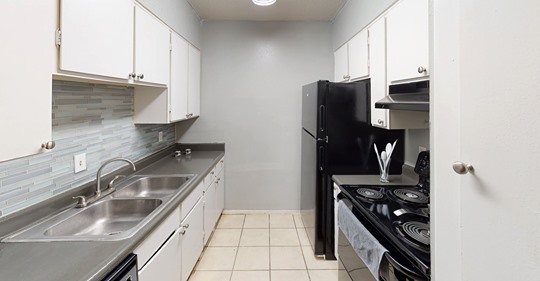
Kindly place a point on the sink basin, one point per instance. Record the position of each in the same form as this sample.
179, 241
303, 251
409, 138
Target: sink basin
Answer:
109, 217
151, 186
118, 216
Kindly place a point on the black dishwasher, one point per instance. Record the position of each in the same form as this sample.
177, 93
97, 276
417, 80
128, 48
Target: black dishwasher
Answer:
125, 271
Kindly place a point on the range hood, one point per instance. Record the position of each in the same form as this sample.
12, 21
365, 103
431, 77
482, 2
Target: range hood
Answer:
410, 96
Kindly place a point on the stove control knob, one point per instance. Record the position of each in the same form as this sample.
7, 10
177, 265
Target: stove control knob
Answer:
462, 168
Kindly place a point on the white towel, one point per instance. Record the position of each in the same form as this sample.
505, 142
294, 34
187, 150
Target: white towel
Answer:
363, 243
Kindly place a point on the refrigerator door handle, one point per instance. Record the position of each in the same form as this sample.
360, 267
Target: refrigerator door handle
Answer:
321, 118
325, 139
321, 158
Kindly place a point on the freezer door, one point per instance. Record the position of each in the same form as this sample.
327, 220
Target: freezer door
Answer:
312, 107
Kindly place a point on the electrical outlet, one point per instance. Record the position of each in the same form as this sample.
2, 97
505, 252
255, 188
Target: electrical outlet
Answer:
79, 162
160, 136
421, 148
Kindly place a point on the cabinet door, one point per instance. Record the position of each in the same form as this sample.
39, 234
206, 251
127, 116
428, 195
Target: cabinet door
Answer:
194, 82
152, 48
97, 37
209, 211
358, 56
220, 194
192, 239
27, 57
408, 41
341, 65
165, 264
377, 59
178, 89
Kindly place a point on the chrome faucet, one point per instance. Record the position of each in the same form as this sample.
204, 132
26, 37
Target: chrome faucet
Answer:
83, 201
98, 175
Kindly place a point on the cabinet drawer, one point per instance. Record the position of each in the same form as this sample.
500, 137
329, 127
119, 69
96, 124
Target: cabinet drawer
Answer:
209, 178
220, 165
149, 246
192, 199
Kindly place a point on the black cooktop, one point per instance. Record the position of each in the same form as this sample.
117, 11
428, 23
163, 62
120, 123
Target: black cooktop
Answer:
398, 214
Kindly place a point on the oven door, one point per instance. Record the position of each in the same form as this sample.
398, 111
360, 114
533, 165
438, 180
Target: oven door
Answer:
390, 269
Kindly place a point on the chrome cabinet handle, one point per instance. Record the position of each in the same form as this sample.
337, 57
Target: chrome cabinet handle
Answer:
132, 75
422, 69
380, 122
48, 145
140, 76
462, 168
346, 77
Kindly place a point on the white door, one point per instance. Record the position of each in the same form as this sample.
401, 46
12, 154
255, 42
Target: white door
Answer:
358, 56
377, 58
209, 211
194, 82
152, 48
341, 64
166, 263
408, 40
178, 89
27, 57
486, 68
97, 37
192, 239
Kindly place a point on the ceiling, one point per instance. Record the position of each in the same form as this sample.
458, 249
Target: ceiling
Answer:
282, 10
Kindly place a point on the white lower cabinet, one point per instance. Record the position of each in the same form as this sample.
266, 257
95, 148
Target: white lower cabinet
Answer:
171, 251
220, 194
214, 198
165, 264
209, 211
191, 230
159, 255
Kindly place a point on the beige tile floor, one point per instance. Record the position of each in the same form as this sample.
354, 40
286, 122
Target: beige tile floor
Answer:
263, 247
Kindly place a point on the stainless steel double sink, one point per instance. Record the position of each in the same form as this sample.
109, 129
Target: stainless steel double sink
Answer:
137, 200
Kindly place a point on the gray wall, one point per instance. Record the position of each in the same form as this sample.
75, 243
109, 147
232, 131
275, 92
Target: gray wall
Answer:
252, 74
355, 15
179, 16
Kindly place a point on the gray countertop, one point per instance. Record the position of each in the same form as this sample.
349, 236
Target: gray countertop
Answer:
93, 260
408, 177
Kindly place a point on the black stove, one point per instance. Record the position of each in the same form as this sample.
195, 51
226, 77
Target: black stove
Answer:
398, 216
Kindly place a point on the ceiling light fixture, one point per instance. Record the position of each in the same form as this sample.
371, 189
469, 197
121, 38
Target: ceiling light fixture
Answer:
263, 2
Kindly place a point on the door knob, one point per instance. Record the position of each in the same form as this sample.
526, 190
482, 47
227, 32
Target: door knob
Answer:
48, 145
462, 168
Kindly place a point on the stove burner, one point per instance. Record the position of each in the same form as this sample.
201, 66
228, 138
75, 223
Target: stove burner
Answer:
370, 194
417, 231
411, 196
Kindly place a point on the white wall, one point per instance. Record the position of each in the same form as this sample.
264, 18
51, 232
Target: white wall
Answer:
355, 15
414, 139
252, 74
179, 15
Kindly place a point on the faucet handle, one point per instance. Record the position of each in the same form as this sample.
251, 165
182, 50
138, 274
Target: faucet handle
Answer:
111, 183
81, 202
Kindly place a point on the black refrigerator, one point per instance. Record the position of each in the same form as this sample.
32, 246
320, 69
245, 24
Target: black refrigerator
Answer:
337, 139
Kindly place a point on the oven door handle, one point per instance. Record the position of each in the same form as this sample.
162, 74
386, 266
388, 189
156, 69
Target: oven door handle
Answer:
409, 273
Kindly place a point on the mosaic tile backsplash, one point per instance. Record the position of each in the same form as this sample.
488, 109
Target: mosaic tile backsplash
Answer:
87, 118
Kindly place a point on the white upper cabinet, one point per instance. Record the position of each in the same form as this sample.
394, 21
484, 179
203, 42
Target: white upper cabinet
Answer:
152, 48
28, 59
341, 64
194, 82
178, 89
377, 59
351, 60
408, 41
97, 37
358, 56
